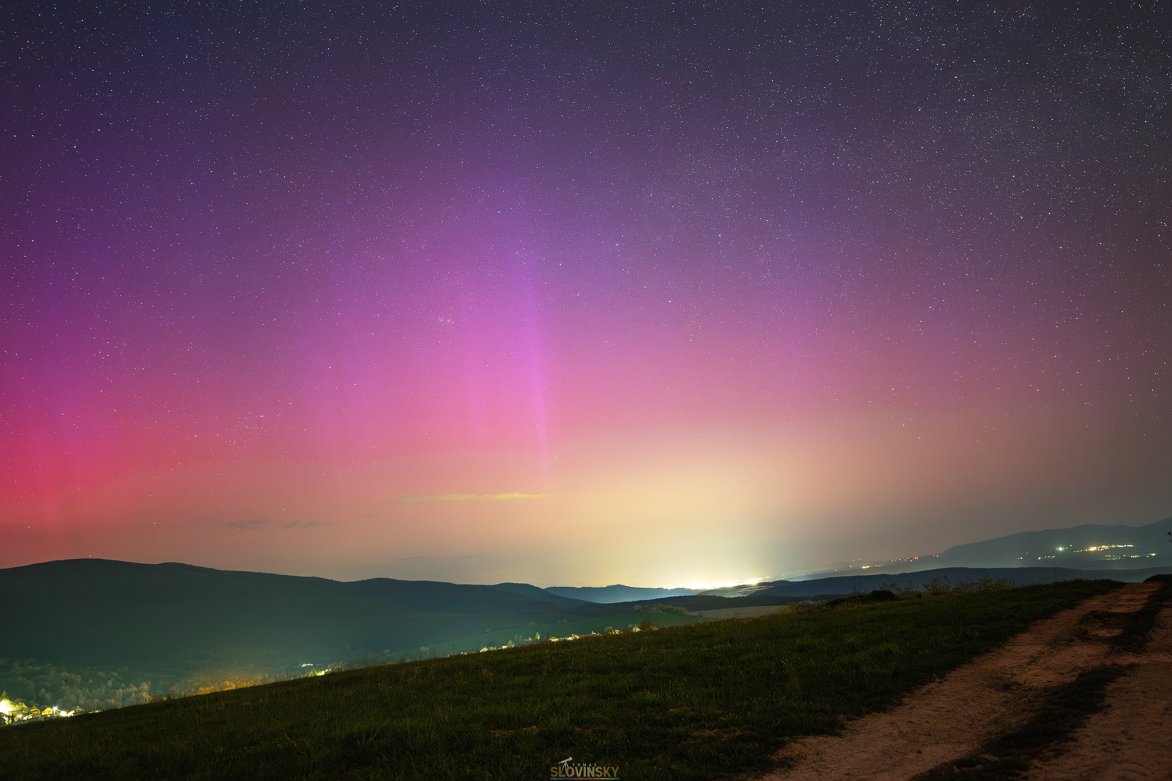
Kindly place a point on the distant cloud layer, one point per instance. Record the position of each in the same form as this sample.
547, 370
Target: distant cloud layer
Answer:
252, 524
501, 497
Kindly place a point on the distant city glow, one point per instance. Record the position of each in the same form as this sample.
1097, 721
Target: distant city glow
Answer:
1106, 550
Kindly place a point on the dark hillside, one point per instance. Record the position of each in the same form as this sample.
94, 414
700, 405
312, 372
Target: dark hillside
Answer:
694, 702
1094, 546
168, 618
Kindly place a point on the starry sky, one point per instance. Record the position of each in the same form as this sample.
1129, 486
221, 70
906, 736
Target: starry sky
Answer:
579, 292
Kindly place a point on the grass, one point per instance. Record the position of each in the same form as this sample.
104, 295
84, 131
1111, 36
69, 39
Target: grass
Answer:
690, 702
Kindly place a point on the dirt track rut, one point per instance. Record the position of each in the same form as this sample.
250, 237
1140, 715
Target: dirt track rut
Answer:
1130, 740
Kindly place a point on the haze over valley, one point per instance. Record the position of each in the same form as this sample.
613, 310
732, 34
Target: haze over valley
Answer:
95, 634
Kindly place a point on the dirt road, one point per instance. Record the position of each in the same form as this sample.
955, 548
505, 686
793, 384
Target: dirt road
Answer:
1130, 739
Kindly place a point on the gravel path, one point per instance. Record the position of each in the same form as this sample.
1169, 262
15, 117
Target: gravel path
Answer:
956, 715
1131, 738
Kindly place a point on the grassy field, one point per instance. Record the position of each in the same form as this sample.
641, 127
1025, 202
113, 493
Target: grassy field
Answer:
699, 701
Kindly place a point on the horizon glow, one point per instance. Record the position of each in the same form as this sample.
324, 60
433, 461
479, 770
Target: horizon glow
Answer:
579, 294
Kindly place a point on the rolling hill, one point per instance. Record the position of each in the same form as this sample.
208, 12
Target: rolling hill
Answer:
1094, 546
706, 701
163, 622
71, 624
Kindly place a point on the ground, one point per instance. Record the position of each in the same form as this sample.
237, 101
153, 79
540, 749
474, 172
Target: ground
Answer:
1128, 739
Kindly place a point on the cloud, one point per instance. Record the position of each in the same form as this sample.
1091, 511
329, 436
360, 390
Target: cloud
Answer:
303, 524
509, 496
247, 524
255, 524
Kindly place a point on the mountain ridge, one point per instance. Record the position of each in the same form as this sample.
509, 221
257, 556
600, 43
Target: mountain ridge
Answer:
1068, 546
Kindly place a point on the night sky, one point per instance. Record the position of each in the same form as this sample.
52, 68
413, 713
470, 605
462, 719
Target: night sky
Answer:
579, 292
